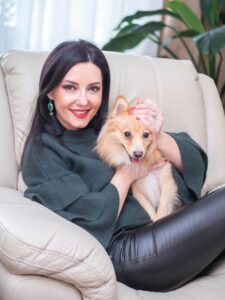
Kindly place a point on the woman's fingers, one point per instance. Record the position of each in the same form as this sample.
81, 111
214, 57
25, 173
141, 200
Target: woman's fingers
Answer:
148, 113
145, 108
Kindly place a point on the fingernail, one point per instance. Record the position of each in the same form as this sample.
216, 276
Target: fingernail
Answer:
131, 109
139, 100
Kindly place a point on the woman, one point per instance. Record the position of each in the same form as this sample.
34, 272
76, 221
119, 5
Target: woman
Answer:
63, 173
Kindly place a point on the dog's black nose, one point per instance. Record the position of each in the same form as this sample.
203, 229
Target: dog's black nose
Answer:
138, 154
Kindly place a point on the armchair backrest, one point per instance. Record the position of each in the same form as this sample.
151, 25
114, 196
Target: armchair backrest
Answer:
189, 100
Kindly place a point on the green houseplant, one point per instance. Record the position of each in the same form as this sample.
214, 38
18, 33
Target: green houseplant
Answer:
208, 34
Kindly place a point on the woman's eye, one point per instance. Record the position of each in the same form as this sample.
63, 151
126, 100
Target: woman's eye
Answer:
95, 89
69, 87
145, 135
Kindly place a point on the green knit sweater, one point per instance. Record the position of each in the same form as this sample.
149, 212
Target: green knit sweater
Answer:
71, 180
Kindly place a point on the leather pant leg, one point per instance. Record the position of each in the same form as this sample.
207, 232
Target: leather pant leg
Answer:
164, 255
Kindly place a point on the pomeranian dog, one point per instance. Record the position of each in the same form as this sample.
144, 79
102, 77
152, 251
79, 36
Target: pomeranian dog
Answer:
123, 140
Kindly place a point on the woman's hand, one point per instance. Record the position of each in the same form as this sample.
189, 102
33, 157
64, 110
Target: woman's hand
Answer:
148, 113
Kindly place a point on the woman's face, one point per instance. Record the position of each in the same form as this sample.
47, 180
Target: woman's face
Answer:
78, 96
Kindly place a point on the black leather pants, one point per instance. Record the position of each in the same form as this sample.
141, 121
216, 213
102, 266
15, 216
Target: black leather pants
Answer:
170, 252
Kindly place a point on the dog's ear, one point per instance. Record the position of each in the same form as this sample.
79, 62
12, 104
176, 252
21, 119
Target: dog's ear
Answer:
120, 106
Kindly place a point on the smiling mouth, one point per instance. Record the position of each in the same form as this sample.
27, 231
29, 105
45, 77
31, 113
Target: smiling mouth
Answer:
132, 159
81, 114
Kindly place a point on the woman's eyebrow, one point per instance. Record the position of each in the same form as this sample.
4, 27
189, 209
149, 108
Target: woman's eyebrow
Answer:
69, 81
93, 83
73, 82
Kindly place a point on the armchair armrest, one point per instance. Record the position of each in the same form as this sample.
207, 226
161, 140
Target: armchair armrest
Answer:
215, 123
35, 240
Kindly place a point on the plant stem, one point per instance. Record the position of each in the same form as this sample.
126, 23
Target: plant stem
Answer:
219, 67
190, 54
222, 91
157, 40
212, 65
205, 63
185, 47
173, 54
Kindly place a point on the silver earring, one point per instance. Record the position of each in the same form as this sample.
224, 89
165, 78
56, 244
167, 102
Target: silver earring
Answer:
50, 108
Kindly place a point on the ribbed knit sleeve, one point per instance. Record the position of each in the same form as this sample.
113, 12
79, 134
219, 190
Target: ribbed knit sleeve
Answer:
55, 178
195, 163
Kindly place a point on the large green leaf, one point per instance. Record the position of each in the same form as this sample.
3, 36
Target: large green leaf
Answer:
133, 36
148, 13
186, 14
212, 41
186, 34
127, 29
178, 35
211, 10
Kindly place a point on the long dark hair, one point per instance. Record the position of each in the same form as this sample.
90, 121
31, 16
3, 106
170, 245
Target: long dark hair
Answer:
57, 64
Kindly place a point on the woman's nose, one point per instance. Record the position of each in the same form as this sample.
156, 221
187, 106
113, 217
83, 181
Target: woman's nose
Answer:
82, 99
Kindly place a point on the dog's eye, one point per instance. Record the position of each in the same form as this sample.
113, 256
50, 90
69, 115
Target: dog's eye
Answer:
145, 135
127, 134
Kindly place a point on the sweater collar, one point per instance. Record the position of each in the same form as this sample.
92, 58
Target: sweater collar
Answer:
84, 134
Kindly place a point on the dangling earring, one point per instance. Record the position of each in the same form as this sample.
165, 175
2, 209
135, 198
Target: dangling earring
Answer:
50, 108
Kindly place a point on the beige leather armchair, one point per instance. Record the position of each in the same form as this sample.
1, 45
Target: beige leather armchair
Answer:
43, 256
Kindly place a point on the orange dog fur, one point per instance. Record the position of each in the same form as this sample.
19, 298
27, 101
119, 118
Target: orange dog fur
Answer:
124, 140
